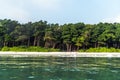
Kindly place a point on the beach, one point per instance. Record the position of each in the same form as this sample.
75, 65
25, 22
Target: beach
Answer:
58, 54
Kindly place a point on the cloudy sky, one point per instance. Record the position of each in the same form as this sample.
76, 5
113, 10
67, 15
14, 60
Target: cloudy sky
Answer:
61, 11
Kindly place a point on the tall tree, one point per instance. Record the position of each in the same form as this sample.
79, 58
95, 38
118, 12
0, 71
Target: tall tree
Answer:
9, 26
39, 32
52, 35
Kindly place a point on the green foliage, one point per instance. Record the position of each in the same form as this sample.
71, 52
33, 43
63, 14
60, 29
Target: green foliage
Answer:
5, 48
81, 50
66, 37
29, 49
101, 49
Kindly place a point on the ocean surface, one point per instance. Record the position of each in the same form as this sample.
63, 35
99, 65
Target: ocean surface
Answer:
59, 68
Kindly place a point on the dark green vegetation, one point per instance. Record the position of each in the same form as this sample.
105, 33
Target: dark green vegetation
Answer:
59, 68
67, 37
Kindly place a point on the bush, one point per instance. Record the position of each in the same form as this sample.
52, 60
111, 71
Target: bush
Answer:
81, 50
29, 49
5, 48
100, 49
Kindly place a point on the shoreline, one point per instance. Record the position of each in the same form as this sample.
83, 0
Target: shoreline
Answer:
59, 54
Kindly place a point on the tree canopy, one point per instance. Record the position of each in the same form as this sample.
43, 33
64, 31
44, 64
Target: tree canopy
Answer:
66, 37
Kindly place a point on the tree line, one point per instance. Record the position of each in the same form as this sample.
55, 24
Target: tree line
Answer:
66, 37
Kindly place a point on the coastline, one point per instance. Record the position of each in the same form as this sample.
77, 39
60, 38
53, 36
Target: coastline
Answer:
59, 54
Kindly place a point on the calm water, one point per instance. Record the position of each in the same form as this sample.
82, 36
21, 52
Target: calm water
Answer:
53, 68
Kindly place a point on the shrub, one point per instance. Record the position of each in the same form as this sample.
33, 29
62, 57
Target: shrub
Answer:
5, 48
100, 49
29, 49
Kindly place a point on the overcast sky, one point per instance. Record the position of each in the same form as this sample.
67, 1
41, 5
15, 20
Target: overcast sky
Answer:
61, 11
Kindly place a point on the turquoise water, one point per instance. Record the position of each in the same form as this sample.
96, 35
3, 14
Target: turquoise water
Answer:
55, 68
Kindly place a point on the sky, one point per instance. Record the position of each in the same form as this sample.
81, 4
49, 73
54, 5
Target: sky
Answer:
61, 11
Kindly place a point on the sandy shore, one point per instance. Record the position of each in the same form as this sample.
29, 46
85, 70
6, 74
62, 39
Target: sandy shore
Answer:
57, 54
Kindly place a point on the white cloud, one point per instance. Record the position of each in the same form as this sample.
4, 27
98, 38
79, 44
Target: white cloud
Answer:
112, 19
46, 4
17, 14
11, 11
25, 10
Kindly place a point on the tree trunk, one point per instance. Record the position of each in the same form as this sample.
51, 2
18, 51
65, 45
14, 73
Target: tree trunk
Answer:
70, 47
4, 44
13, 44
46, 44
67, 45
107, 45
28, 42
54, 44
38, 41
118, 45
95, 44
35, 41
78, 48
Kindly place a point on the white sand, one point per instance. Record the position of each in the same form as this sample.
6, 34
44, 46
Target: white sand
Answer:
58, 54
